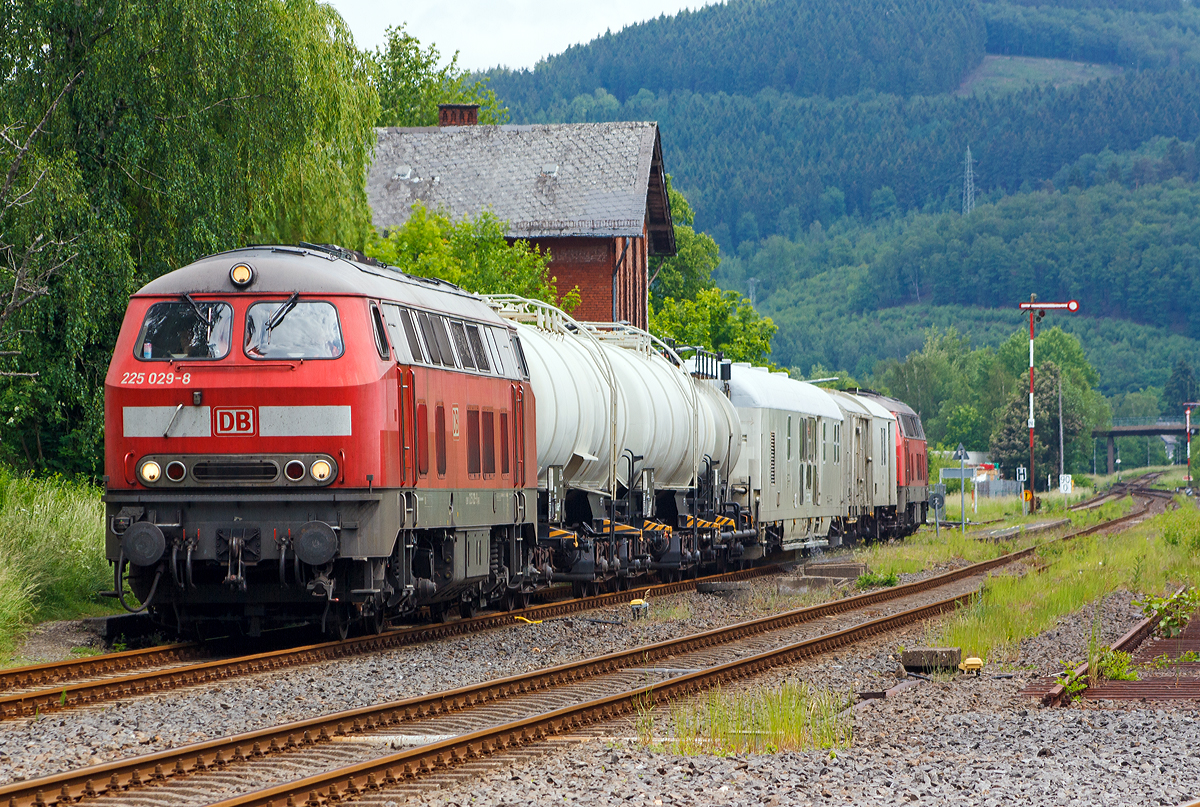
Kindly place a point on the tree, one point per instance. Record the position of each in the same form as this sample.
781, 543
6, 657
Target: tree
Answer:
192, 127
1010, 438
411, 85
473, 254
716, 320
1181, 388
681, 276
964, 424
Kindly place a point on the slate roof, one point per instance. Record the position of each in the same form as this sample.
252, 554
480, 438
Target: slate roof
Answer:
551, 180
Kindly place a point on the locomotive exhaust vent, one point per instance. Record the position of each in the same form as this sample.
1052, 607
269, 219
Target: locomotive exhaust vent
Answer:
235, 471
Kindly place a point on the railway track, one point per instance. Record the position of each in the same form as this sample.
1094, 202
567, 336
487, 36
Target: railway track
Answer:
337, 737
41, 689
355, 750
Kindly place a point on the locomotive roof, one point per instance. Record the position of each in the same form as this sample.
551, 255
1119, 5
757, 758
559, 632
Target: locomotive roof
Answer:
873, 406
892, 404
847, 402
758, 388
546, 180
316, 270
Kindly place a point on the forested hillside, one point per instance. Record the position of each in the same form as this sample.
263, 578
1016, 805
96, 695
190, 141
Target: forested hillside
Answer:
906, 47
843, 201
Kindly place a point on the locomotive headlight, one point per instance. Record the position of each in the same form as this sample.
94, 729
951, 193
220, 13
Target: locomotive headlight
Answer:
320, 470
241, 275
294, 470
150, 471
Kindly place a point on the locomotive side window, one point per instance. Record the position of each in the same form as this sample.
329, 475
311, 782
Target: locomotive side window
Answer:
293, 330
381, 340
443, 340
435, 355
439, 426
481, 359
516, 341
489, 442
460, 344
423, 439
504, 443
410, 334
473, 442
186, 330
501, 350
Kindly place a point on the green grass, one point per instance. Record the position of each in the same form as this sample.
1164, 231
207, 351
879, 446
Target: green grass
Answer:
51, 553
1077, 573
1001, 75
795, 716
669, 610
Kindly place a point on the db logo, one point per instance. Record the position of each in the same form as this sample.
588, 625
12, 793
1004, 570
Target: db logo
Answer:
234, 421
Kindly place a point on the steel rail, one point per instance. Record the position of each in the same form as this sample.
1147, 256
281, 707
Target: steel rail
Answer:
57, 672
345, 783
122, 774
88, 693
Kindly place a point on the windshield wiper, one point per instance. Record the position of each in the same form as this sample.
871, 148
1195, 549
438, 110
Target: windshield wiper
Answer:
205, 318
275, 319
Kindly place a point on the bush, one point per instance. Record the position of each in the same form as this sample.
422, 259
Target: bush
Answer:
52, 560
876, 580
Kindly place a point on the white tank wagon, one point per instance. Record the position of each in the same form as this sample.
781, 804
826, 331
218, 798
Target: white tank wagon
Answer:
789, 477
868, 478
632, 448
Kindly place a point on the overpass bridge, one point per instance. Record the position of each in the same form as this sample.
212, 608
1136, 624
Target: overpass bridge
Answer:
1140, 427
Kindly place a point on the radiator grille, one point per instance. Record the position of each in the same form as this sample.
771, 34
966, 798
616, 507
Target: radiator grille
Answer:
235, 471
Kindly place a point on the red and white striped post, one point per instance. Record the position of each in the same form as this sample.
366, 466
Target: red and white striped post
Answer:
1041, 309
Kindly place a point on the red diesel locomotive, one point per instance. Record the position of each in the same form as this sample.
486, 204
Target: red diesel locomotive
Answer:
912, 465
295, 436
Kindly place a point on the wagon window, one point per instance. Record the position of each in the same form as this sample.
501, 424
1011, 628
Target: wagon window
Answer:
181, 330
293, 330
460, 344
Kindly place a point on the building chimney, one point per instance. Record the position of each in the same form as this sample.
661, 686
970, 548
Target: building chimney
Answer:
458, 114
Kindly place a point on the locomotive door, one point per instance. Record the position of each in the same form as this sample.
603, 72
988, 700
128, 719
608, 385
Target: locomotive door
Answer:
518, 408
408, 419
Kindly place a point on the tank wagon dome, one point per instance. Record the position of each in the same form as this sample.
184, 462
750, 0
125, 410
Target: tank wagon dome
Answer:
759, 388
310, 269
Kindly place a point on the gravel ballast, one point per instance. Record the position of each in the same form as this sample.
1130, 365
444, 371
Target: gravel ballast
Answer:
966, 740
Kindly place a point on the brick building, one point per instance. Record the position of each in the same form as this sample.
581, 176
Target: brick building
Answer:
593, 194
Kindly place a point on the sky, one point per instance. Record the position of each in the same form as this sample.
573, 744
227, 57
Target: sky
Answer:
512, 33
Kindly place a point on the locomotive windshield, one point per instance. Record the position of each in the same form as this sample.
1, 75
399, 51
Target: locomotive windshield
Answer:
189, 329
293, 330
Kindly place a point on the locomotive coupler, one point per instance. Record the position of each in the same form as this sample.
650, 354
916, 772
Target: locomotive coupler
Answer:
236, 579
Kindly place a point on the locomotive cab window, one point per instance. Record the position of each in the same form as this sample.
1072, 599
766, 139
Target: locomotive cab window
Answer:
381, 340
460, 344
293, 330
189, 329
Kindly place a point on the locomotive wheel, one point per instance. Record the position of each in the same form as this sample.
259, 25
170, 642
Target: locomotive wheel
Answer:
337, 623
376, 620
523, 600
467, 608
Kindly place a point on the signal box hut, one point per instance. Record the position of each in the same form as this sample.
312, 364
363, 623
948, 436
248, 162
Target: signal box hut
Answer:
592, 194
